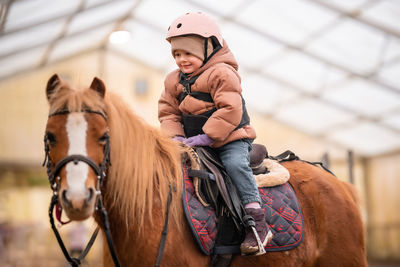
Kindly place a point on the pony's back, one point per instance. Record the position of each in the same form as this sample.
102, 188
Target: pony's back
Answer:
331, 215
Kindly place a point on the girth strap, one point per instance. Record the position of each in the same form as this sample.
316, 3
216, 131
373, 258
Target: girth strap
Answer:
289, 155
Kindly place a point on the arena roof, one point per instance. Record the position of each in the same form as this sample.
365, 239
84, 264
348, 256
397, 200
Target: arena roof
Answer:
330, 69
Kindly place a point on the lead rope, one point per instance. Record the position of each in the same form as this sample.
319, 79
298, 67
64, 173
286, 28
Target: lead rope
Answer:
165, 229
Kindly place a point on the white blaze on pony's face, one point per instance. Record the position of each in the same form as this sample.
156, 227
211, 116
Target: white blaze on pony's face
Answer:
77, 126
76, 174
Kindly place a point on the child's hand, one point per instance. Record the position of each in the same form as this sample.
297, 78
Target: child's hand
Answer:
199, 140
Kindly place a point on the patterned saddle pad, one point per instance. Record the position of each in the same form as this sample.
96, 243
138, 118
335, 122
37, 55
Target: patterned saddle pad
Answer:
280, 204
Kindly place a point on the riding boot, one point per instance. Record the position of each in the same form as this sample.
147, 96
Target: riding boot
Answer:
256, 223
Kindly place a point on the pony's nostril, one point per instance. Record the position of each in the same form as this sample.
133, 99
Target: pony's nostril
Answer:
91, 194
64, 197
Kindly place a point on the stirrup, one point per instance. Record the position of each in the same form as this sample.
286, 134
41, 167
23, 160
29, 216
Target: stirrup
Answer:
261, 249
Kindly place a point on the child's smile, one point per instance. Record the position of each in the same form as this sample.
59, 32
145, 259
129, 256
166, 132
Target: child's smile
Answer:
186, 61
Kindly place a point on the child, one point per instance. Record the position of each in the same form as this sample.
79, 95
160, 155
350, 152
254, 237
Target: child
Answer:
202, 105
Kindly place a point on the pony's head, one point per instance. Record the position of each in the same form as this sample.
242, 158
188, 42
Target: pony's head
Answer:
76, 141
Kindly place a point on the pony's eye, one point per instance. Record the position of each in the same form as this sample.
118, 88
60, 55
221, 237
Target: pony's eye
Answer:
51, 138
104, 138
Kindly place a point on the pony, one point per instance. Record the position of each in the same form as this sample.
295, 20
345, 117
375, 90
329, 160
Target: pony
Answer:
144, 164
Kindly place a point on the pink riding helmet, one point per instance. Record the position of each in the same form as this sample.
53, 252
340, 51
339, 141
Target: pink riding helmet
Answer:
194, 23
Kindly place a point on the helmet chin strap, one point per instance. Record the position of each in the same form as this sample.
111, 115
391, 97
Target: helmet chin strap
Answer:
205, 50
216, 47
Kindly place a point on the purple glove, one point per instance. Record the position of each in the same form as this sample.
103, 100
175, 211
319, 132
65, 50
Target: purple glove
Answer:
199, 140
179, 138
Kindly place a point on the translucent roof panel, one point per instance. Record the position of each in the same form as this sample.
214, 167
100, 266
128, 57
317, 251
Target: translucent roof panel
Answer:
72, 45
363, 98
108, 13
348, 5
391, 74
30, 37
302, 71
312, 116
392, 51
21, 62
145, 45
393, 120
264, 96
350, 44
367, 138
26, 13
251, 50
90, 3
385, 12
289, 24
162, 13
222, 7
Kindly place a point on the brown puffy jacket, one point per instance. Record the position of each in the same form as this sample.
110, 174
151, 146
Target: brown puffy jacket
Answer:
219, 78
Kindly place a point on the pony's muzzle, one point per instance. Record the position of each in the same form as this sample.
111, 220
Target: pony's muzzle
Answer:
80, 202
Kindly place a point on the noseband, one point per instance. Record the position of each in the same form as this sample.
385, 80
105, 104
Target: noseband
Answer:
100, 171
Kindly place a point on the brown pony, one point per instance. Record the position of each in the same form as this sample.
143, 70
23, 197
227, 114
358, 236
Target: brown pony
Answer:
145, 162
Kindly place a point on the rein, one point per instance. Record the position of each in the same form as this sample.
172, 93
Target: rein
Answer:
165, 228
101, 174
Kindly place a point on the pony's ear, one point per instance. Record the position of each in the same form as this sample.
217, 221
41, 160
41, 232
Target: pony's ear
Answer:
98, 86
51, 85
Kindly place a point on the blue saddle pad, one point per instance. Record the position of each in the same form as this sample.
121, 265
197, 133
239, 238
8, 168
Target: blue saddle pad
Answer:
282, 209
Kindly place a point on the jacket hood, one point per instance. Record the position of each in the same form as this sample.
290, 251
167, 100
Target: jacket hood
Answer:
224, 55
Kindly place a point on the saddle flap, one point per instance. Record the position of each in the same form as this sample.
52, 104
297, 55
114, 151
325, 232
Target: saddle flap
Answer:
227, 191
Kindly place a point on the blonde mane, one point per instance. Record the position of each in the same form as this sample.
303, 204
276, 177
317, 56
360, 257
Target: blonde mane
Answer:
144, 162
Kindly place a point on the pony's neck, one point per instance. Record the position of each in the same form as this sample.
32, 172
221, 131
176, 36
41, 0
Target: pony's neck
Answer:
145, 163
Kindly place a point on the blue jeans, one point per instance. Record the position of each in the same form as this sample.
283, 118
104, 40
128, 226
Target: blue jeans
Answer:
236, 160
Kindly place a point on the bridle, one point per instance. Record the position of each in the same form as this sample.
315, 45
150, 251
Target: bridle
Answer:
100, 171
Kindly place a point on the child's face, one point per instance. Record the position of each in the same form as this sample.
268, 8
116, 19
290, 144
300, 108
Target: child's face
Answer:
186, 61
